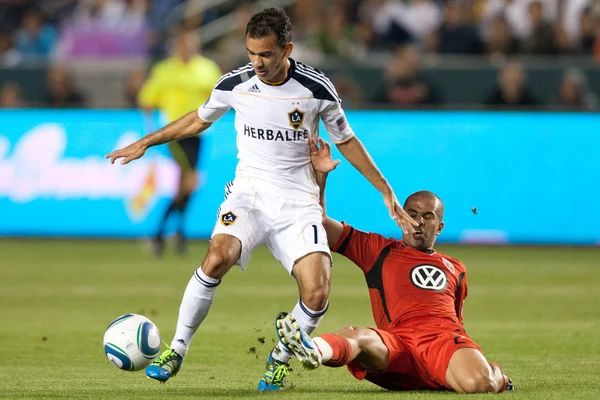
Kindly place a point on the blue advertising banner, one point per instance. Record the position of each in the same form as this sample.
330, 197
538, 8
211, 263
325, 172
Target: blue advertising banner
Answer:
504, 177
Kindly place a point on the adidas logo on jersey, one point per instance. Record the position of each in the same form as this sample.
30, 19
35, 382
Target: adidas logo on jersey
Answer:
254, 89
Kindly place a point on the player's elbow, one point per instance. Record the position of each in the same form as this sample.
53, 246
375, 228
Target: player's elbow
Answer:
201, 125
479, 383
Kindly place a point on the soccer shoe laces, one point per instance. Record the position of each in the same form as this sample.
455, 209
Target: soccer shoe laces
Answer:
169, 356
281, 371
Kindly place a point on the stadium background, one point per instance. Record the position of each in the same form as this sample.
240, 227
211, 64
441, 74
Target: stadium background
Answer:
492, 104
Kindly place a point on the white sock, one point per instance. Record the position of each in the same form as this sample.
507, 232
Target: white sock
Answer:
308, 321
196, 302
324, 348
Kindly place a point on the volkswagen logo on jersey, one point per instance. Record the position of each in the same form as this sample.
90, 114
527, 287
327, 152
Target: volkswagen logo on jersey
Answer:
428, 277
296, 117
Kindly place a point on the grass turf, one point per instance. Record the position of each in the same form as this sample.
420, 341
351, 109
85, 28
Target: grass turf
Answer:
535, 311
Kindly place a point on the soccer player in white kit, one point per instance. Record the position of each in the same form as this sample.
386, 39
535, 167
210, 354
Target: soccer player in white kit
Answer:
274, 198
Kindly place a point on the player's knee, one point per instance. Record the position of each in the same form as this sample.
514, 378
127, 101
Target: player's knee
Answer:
217, 262
349, 332
316, 299
479, 383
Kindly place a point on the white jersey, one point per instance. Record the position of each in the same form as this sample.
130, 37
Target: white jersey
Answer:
273, 125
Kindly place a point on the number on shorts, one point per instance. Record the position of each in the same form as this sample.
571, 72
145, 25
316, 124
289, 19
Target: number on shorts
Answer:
316, 238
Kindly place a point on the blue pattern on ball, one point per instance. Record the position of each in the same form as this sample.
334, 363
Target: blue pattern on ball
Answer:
127, 364
121, 318
144, 345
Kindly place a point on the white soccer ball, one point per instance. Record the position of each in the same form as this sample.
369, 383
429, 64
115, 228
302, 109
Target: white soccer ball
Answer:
131, 342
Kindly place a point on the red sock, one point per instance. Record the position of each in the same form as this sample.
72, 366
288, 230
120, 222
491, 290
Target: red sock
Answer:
342, 350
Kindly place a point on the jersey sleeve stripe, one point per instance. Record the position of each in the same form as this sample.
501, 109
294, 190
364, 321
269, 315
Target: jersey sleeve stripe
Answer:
229, 83
331, 95
375, 279
346, 242
319, 76
321, 79
233, 73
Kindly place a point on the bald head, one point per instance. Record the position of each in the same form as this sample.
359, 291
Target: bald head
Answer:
429, 196
427, 210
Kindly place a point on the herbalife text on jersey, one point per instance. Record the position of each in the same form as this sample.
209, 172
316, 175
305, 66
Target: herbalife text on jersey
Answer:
270, 134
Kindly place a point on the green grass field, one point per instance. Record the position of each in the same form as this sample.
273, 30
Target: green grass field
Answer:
535, 311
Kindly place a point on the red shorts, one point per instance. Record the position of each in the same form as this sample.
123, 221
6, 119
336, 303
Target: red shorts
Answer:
420, 352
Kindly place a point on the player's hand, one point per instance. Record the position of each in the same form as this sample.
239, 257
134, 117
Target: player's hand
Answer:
403, 220
320, 156
129, 153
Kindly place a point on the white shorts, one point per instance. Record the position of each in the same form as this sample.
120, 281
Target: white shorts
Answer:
290, 229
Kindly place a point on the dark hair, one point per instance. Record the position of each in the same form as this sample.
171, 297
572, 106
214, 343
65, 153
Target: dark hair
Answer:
271, 20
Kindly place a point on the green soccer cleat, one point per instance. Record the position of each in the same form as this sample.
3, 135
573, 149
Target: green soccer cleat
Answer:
274, 377
297, 341
165, 366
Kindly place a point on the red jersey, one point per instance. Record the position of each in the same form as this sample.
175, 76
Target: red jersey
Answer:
405, 283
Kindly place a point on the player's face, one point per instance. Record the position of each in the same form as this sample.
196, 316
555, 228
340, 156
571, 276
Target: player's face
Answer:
186, 45
270, 61
424, 210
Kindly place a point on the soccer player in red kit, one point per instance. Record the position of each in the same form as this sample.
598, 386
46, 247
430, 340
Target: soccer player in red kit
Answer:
417, 297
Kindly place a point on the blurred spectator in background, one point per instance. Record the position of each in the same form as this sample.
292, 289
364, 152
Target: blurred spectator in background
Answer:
177, 86
400, 23
349, 91
11, 96
310, 27
36, 39
512, 90
501, 40
574, 92
231, 49
516, 13
9, 56
119, 31
60, 90
194, 14
163, 16
105, 29
457, 35
589, 31
11, 13
57, 11
337, 35
570, 16
541, 36
403, 84
367, 17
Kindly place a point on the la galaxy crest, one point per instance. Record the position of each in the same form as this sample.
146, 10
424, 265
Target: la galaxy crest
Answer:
228, 218
296, 117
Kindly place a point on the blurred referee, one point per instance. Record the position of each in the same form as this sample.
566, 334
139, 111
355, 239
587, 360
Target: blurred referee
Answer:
176, 85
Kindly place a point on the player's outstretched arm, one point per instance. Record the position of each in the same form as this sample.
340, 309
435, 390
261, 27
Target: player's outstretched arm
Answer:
323, 164
354, 151
188, 125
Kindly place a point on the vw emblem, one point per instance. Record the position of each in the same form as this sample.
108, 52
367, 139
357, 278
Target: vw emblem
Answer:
428, 277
